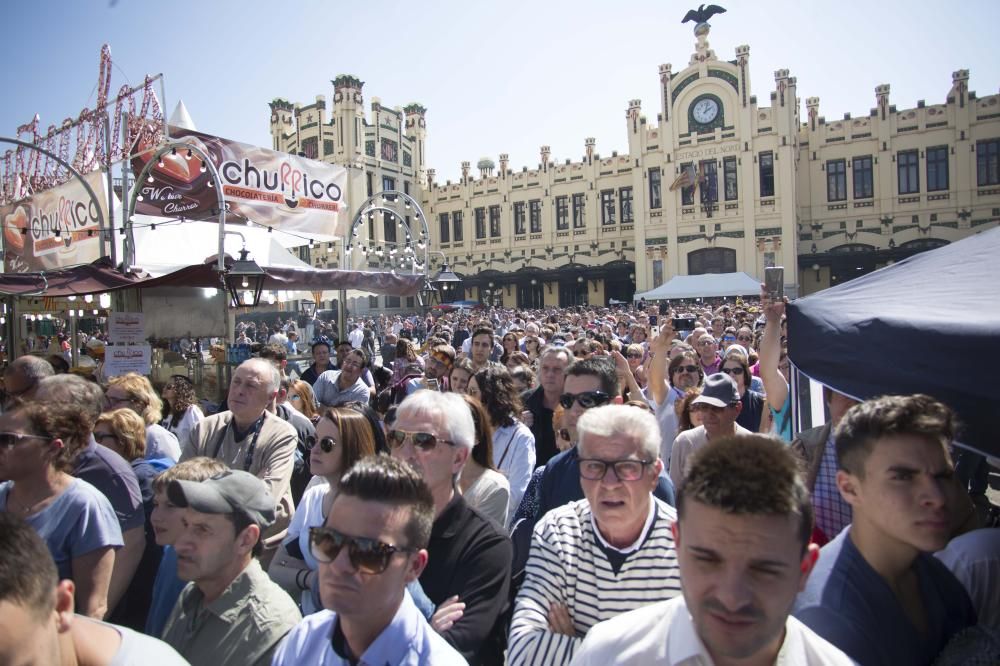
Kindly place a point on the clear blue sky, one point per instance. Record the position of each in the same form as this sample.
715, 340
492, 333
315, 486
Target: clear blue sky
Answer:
495, 76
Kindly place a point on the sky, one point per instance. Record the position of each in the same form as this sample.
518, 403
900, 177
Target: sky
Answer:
496, 77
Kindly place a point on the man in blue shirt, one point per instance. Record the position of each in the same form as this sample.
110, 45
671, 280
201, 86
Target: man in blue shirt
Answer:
371, 547
877, 593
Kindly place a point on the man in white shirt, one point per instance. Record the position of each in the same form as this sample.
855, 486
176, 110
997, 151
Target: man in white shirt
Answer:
742, 536
719, 404
356, 336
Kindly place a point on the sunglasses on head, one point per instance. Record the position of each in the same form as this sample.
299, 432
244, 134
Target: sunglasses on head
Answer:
366, 555
587, 399
425, 441
326, 444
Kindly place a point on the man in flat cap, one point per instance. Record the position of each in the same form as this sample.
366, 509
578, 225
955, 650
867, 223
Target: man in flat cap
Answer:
230, 613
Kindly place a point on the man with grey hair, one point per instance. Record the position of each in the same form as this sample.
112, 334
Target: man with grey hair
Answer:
541, 402
21, 378
598, 557
249, 437
468, 571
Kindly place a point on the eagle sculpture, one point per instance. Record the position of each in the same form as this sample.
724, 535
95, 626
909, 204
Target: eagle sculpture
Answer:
703, 13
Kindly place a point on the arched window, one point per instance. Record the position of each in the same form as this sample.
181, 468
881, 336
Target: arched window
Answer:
712, 260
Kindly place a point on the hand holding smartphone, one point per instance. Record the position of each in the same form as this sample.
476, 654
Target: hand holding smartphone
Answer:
774, 282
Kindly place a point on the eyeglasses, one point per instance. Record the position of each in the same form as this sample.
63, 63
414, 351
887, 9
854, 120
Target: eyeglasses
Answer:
744, 338
581, 354
117, 399
368, 556
732, 371
101, 436
326, 444
593, 469
705, 343
686, 368
635, 355
587, 399
425, 441
8, 440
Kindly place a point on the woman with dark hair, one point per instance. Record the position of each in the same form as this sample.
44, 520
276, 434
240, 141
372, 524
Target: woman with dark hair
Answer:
460, 375
182, 410
687, 418
343, 436
735, 365
483, 487
532, 347
513, 442
38, 443
406, 355
510, 345
515, 359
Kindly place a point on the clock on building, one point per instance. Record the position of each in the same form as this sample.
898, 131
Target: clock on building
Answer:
705, 113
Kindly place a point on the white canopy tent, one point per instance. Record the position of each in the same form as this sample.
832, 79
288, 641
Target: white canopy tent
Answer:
710, 285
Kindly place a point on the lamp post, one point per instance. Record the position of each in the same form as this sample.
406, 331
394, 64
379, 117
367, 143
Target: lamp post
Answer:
244, 281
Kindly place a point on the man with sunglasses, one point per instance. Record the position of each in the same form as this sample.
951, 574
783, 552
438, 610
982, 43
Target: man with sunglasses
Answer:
601, 556
719, 404
468, 572
231, 613
372, 545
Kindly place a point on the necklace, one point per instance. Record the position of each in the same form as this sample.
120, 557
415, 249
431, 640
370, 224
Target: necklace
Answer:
25, 508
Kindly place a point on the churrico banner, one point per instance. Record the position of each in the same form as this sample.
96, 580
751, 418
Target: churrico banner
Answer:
54, 228
264, 186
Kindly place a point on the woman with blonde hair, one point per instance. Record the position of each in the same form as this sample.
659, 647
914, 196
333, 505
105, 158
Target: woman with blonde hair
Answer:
134, 391
302, 398
343, 436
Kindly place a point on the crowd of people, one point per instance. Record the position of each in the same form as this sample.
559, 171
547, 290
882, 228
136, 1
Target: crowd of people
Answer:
575, 486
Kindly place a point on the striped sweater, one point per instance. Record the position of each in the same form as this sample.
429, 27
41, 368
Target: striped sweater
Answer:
567, 565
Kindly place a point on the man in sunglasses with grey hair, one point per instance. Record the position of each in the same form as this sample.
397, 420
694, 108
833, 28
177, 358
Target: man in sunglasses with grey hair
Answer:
372, 545
468, 572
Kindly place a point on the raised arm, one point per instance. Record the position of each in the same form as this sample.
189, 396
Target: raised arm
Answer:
659, 350
770, 352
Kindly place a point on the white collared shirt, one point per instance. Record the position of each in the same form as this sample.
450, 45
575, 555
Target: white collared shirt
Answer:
664, 633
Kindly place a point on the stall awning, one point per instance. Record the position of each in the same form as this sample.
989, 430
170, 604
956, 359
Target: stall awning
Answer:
100, 277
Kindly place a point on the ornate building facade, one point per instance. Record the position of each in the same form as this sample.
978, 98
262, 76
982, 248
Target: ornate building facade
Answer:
720, 183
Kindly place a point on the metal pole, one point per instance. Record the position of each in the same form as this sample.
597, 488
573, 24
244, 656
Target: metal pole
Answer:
74, 345
111, 194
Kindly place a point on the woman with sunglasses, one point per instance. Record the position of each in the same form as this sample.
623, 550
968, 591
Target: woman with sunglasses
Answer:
38, 443
182, 411
532, 347
483, 487
510, 345
513, 442
735, 365
343, 436
134, 391
636, 354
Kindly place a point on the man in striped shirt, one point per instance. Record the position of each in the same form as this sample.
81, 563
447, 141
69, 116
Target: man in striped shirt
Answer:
598, 557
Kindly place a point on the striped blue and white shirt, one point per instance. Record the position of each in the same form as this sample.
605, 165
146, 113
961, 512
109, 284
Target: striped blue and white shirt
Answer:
570, 563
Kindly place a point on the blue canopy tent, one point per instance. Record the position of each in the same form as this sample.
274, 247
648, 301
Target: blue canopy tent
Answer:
928, 324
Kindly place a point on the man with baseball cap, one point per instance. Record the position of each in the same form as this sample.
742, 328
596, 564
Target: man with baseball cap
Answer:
719, 405
231, 613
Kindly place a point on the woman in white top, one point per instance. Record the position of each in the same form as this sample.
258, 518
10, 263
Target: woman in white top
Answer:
484, 488
343, 436
183, 411
513, 442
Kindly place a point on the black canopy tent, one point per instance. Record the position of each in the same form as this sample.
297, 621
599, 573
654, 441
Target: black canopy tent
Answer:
928, 324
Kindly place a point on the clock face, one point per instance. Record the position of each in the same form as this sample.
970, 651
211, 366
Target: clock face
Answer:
705, 110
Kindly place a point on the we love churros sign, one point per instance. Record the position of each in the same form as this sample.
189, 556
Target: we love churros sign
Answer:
267, 187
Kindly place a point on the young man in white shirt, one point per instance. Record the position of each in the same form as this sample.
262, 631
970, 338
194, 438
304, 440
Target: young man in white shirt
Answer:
742, 536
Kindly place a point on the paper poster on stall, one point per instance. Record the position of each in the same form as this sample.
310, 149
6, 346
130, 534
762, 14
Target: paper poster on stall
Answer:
54, 228
126, 327
121, 359
273, 189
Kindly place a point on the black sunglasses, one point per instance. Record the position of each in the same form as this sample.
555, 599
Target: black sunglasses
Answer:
8, 440
732, 371
326, 444
634, 355
425, 441
686, 368
367, 555
587, 399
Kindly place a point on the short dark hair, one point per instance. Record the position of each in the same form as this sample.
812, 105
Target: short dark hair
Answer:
390, 481
274, 352
601, 367
361, 353
482, 330
241, 521
749, 475
889, 415
320, 343
28, 576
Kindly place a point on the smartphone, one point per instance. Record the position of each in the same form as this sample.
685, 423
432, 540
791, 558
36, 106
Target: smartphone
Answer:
654, 320
683, 323
774, 282
432, 384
